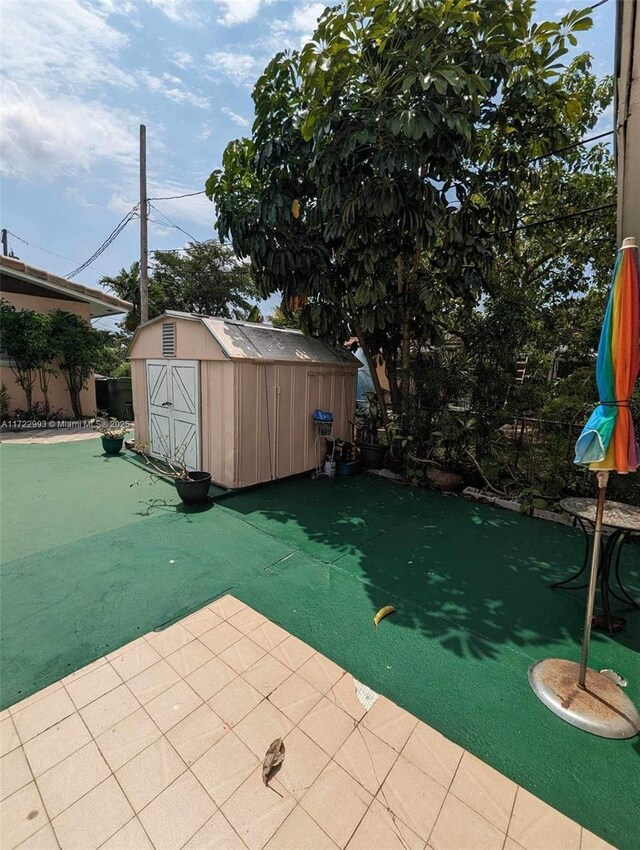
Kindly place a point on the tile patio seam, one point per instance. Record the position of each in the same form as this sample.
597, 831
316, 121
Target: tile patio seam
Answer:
513, 805
13, 710
115, 833
148, 803
188, 770
160, 735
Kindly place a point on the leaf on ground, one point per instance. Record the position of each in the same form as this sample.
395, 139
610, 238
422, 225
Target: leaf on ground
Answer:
273, 757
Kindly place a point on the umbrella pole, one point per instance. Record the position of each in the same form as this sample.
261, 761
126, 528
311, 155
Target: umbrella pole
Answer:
603, 478
579, 695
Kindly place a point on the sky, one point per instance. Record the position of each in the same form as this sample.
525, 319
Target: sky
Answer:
80, 76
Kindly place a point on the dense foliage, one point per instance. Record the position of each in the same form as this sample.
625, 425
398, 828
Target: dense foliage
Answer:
387, 159
415, 178
204, 278
39, 345
78, 347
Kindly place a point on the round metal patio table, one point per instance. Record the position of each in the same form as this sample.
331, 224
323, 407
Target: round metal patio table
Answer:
623, 520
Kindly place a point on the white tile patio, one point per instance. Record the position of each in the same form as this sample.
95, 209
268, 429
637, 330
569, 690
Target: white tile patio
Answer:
158, 746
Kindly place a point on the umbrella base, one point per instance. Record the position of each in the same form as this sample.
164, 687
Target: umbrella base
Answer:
601, 708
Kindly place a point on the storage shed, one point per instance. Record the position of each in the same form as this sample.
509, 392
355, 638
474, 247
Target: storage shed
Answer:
236, 398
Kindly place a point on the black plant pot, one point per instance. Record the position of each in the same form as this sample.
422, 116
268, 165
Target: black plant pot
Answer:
195, 489
112, 445
372, 455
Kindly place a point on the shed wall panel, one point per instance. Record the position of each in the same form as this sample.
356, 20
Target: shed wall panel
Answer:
217, 420
140, 401
285, 418
275, 404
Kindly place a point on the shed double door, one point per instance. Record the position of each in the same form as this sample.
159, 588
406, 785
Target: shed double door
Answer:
174, 415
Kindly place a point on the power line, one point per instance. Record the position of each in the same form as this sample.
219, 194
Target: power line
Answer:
46, 250
572, 145
175, 197
167, 250
173, 224
564, 217
108, 241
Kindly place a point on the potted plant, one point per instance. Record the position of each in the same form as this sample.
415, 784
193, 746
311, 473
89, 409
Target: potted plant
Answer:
113, 433
445, 467
368, 424
191, 485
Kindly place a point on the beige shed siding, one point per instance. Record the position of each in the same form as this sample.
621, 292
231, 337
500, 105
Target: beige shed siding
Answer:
193, 341
217, 420
140, 403
283, 443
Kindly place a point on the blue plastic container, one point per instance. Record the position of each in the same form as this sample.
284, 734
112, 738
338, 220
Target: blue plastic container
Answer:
349, 468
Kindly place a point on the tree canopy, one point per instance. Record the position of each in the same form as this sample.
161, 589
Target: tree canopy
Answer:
390, 158
204, 278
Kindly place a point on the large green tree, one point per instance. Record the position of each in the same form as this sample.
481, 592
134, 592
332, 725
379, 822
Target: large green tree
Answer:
205, 278
78, 348
386, 161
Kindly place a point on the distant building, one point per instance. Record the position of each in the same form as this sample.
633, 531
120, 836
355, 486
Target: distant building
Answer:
28, 288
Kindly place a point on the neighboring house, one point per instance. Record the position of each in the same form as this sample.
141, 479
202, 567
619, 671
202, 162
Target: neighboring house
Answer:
627, 119
25, 287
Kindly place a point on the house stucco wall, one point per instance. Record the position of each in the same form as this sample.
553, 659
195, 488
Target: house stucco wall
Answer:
58, 392
628, 119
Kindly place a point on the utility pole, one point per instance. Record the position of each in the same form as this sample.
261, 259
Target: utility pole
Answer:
144, 259
5, 248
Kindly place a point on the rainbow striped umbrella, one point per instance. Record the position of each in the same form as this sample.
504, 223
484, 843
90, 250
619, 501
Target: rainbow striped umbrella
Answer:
583, 697
608, 441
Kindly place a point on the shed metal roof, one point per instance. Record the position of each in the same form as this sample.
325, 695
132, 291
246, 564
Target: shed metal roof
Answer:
251, 341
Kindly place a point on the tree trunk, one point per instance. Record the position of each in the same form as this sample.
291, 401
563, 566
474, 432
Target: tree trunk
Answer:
43, 375
405, 344
406, 366
28, 394
364, 344
75, 403
74, 394
26, 380
390, 352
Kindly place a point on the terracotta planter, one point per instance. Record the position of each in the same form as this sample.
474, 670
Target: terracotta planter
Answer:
444, 479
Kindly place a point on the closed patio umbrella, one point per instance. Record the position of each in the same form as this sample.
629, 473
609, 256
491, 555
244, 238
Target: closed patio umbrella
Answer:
581, 696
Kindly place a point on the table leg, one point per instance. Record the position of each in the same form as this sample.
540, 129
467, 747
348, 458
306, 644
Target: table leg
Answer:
582, 569
626, 598
604, 581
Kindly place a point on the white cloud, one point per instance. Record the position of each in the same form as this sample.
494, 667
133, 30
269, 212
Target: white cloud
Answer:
237, 119
41, 137
305, 19
181, 58
178, 11
65, 47
56, 58
238, 11
240, 68
299, 26
172, 88
189, 212
605, 121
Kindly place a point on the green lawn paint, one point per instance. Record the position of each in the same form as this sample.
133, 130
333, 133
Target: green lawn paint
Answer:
87, 566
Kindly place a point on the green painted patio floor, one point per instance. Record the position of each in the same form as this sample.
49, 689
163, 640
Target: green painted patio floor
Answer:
90, 562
